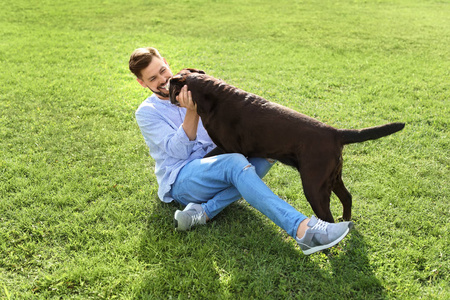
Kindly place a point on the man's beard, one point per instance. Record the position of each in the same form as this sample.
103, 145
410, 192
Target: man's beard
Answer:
164, 95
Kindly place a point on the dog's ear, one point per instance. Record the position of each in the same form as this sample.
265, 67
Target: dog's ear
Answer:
196, 71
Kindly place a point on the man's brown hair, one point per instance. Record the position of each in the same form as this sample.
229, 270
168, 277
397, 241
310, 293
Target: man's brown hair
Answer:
141, 58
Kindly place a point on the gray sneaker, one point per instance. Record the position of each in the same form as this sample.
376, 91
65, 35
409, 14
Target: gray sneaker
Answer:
193, 214
322, 235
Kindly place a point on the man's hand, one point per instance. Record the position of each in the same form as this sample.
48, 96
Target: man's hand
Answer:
191, 119
185, 99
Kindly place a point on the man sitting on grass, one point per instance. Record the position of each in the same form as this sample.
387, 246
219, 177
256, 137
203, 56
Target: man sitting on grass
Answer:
178, 142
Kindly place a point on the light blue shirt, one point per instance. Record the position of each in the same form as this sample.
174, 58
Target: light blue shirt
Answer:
160, 123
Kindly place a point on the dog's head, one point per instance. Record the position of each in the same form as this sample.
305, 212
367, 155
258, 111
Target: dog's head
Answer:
178, 81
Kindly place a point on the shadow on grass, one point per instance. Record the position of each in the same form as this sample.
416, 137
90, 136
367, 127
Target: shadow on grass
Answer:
241, 256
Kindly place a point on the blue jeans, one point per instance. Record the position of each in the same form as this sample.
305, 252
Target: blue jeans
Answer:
216, 182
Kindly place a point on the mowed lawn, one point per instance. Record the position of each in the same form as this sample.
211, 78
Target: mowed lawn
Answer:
79, 213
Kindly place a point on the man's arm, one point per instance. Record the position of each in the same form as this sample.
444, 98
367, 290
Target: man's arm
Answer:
190, 124
161, 134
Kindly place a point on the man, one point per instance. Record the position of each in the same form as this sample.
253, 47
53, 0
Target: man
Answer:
178, 142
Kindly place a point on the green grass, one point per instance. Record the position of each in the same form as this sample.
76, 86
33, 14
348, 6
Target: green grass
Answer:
79, 215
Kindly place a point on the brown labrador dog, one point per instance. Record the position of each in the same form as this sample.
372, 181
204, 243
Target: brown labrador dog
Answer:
241, 122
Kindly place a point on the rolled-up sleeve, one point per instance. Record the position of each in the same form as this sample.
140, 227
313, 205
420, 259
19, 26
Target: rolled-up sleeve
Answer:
163, 134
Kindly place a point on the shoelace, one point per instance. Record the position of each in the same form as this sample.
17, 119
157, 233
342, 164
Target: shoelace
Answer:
320, 225
195, 219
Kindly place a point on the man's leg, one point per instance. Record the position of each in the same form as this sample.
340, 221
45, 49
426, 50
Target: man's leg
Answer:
218, 181
195, 183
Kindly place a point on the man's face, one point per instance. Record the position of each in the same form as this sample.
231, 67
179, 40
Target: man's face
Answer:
156, 76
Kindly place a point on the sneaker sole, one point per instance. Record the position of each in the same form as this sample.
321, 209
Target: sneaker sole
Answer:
336, 241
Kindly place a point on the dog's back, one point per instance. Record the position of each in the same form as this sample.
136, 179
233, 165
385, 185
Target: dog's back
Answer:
251, 120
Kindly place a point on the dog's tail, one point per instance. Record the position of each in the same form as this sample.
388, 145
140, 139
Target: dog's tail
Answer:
350, 136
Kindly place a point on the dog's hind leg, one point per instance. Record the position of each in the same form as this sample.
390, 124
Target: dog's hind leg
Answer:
341, 192
318, 195
344, 196
318, 172
320, 203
